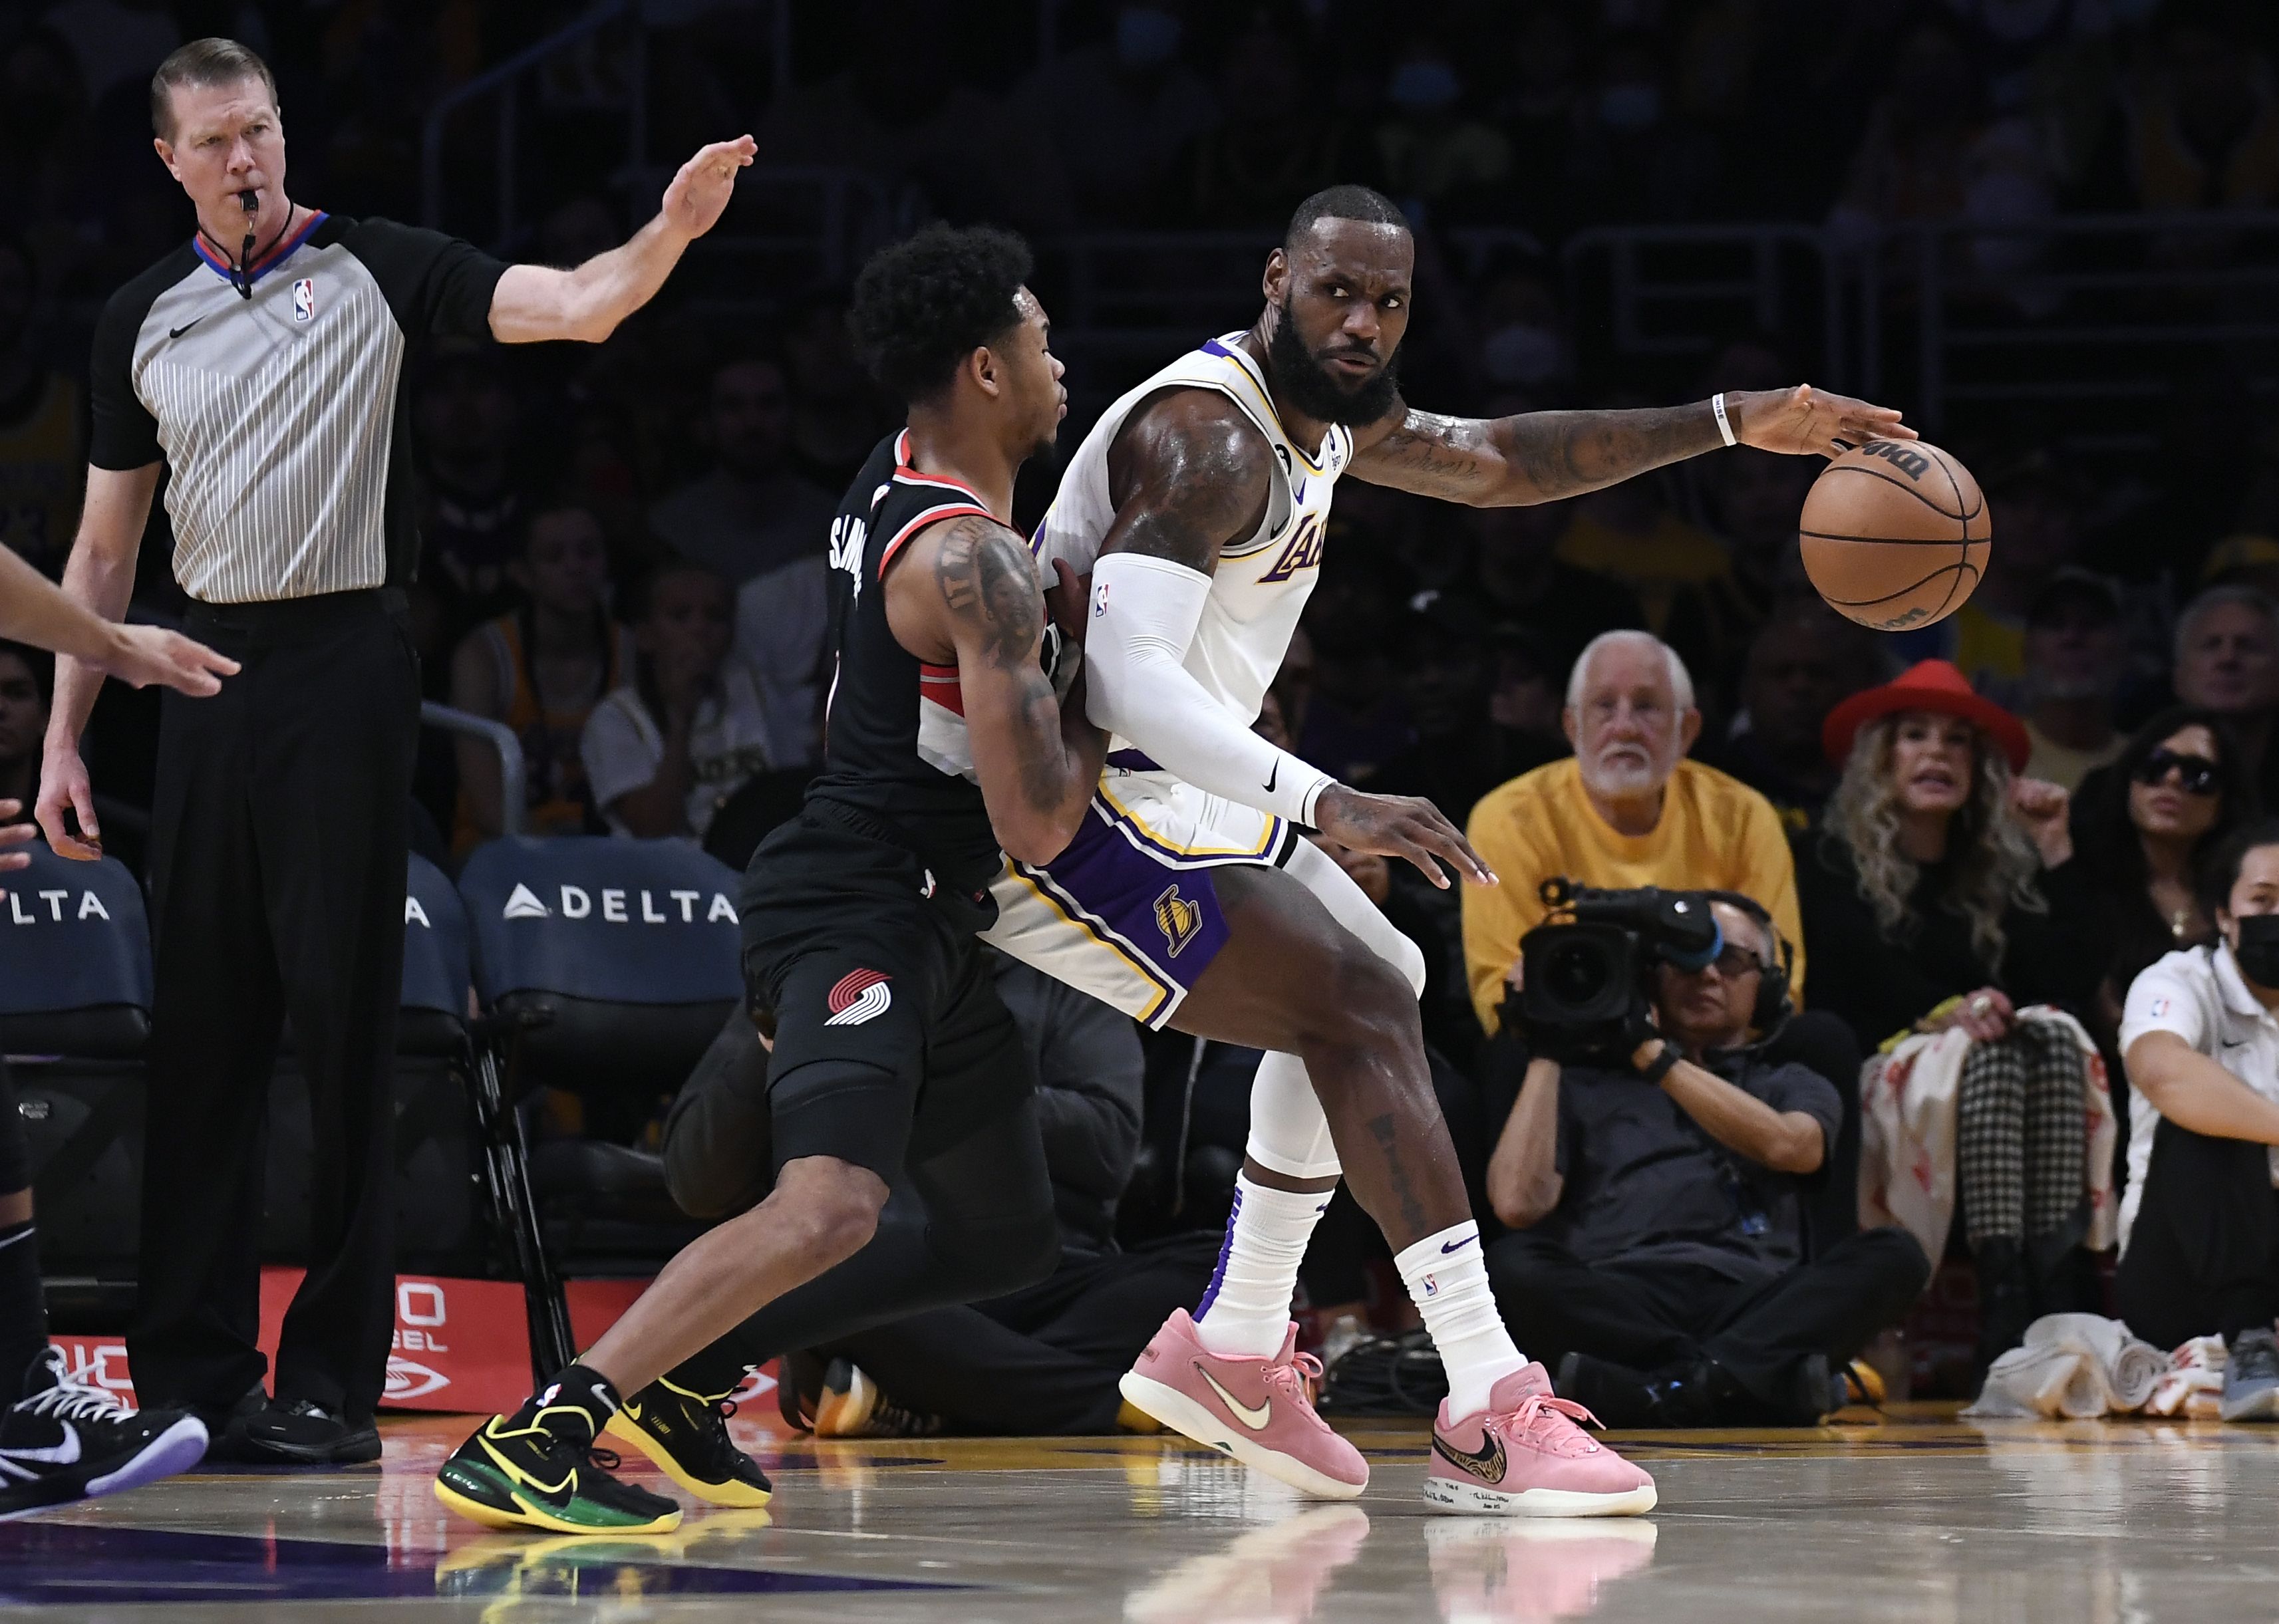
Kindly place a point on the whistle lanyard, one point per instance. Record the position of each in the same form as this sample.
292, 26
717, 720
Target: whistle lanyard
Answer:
241, 270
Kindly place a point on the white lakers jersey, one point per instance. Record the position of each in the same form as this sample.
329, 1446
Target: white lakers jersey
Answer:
1263, 579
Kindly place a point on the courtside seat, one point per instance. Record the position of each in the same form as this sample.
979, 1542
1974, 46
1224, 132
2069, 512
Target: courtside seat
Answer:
74, 960
75, 1016
617, 960
610, 965
438, 965
439, 1154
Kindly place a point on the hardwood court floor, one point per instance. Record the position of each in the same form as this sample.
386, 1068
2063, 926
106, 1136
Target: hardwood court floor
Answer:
1924, 1518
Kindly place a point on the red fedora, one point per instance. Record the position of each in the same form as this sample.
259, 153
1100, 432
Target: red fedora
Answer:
1933, 685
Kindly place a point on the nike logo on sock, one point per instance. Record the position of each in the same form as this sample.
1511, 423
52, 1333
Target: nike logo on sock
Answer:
1273, 773
1458, 1245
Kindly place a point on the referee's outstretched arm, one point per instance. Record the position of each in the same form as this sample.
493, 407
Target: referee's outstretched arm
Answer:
535, 302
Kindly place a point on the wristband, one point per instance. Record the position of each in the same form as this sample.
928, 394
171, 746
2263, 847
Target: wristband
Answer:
1660, 1065
1724, 423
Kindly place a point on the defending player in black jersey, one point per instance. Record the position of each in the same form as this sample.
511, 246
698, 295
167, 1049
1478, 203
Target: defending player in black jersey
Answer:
894, 1061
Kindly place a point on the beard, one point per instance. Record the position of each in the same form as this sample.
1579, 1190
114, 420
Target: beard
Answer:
1313, 390
1621, 771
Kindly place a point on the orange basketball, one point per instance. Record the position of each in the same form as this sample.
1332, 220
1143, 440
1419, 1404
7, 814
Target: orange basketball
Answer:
1895, 534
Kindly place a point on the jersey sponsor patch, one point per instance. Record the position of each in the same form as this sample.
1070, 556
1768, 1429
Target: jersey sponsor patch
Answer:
858, 996
305, 299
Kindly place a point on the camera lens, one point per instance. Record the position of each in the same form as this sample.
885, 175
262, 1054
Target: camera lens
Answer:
1576, 972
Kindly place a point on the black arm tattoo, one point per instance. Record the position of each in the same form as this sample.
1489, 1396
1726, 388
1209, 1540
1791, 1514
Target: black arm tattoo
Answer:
989, 581
1188, 474
1536, 456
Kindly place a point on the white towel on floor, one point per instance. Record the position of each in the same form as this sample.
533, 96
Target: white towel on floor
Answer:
2076, 1366
2194, 1380
1907, 1101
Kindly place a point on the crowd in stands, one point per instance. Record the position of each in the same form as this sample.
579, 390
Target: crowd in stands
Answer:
2022, 848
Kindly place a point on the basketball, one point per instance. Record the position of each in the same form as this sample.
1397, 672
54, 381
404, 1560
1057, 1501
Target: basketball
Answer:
1895, 534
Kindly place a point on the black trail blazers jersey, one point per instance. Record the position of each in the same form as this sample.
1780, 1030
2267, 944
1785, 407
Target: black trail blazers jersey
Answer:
895, 744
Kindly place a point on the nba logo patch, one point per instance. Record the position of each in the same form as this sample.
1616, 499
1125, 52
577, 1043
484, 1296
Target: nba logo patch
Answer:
305, 299
1179, 920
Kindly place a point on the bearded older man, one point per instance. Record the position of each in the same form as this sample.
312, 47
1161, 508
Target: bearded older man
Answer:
1626, 809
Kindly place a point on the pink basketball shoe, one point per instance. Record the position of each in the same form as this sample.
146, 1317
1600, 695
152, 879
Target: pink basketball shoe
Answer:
1256, 1410
1523, 1456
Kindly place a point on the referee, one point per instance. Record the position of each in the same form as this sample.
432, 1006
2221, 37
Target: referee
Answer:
261, 365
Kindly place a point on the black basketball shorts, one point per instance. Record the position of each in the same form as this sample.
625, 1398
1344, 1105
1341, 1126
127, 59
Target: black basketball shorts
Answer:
891, 1043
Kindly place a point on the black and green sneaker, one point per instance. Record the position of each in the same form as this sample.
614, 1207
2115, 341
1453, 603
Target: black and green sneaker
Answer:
686, 1435
518, 1472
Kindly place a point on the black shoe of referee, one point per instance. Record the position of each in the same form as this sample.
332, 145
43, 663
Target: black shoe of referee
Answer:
300, 1432
63, 1441
686, 1435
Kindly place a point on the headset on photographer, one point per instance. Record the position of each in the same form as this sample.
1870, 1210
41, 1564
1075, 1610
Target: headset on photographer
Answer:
1774, 1005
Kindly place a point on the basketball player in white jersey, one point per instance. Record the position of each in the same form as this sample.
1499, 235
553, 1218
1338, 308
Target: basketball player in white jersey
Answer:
1196, 506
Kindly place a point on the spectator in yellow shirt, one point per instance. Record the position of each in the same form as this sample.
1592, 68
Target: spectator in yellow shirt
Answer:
1626, 809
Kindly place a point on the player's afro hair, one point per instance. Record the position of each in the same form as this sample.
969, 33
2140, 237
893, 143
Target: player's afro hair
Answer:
924, 305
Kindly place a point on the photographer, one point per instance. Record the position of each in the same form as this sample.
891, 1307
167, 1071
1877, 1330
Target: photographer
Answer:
1655, 1191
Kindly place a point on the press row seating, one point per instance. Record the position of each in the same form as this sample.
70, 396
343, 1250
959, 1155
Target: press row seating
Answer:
593, 964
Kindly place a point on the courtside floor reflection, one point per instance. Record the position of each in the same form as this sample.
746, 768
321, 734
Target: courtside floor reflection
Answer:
1922, 1518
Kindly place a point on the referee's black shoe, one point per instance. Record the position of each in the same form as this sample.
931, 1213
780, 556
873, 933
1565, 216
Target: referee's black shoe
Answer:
299, 1432
64, 1441
686, 1435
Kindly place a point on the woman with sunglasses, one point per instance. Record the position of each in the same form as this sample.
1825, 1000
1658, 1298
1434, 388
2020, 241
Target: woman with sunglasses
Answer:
2179, 786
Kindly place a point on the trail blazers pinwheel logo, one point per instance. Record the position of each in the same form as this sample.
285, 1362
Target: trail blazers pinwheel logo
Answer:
859, 996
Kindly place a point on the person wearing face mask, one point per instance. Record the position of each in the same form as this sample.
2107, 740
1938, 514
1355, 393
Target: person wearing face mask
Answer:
1927, 909
2199, 1223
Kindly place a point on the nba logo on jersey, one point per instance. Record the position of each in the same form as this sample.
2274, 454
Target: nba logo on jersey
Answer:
1179, 920
305, 299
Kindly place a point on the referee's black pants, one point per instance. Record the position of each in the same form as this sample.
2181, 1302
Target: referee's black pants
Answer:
277, 877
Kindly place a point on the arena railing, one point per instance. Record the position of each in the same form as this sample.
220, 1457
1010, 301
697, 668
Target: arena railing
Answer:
2095, 314
504, 84
500, 737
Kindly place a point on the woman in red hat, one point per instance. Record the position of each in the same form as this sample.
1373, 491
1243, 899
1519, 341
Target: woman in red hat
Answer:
1925, 888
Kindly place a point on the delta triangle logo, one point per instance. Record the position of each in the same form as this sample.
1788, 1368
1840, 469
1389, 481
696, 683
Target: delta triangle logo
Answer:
520, 904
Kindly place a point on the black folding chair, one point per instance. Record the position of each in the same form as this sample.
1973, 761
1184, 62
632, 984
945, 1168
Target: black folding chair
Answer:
606, 967
74, 1016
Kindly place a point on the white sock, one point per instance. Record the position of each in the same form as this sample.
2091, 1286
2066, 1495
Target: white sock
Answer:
1246, 1308
1448, 1280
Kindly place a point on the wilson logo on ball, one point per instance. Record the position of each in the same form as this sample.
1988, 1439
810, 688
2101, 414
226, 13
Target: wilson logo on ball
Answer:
859, 996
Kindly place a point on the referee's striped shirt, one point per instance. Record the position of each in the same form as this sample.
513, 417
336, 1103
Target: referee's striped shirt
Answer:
279, 418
